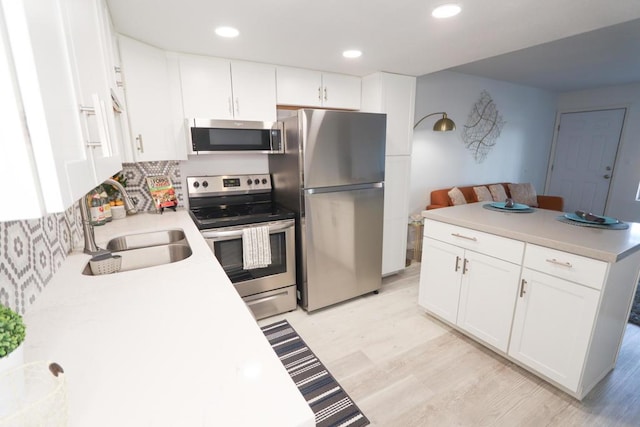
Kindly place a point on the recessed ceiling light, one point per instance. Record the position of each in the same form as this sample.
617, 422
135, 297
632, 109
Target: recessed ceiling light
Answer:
446, 11
352, 54
228, 32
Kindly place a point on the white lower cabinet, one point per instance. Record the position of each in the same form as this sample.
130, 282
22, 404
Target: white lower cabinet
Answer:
396, 212
476, 292
487, 296
440, 279
552, 326
558, 314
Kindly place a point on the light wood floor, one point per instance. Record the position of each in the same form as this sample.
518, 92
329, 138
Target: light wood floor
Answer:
403, 368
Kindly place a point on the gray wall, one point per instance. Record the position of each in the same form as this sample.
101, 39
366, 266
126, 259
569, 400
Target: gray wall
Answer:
441, 160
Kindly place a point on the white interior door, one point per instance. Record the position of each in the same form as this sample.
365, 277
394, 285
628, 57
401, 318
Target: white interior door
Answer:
584, 158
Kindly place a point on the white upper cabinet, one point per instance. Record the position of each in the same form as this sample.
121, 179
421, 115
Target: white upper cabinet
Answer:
55, 50
15, 161
88, 45
216, 88
151, 86
341, 91
308, 88
393, 94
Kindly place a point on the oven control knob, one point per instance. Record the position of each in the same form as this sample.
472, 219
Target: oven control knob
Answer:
196, 184
249, 181
264, 180
205, 184
256, 181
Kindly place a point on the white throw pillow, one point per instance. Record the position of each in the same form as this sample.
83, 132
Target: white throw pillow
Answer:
524, 193
456, 196
497, 192
482, 194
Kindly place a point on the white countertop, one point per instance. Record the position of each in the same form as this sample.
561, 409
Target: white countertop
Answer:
172, 345
541, 228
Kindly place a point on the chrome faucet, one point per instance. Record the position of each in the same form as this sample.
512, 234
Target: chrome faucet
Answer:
90, 246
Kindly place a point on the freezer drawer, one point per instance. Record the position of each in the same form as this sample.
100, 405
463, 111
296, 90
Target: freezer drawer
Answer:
270, 303
342, 245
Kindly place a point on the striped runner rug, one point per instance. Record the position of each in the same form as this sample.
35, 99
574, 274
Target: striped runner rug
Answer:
328, 401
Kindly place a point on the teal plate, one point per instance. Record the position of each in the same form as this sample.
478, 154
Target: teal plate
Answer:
516, 206
607, 220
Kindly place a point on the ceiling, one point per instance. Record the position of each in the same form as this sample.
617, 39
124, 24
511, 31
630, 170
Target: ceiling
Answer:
605, 57
402, 37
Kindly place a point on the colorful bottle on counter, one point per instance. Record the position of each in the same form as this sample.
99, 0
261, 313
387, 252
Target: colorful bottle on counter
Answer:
96, 211
106, 206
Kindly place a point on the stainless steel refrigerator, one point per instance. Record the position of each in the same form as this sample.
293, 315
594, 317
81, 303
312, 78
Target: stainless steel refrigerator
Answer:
332, 175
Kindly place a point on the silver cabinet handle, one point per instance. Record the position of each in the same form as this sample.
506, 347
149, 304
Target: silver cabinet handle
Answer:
237, 106
464, 266
522, 291
556, 262
140, 144
457, 263
607, 176
325, 93
319, 93
86, 112
464, 237
89, 111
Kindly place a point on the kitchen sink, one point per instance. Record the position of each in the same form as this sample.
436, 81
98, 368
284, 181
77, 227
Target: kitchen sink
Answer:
143, 240
145, 250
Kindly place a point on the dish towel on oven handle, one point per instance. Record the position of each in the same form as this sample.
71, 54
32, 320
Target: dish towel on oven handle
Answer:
256, 247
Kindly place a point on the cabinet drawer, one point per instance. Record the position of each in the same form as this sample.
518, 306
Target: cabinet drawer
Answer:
587, 271
488, 244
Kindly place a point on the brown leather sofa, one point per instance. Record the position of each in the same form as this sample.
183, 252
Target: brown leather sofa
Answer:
440, 198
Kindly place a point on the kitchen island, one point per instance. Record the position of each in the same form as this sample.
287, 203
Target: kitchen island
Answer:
171, 345
552, 297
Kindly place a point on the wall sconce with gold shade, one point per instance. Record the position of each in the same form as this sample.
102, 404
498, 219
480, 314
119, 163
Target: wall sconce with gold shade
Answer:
444, 124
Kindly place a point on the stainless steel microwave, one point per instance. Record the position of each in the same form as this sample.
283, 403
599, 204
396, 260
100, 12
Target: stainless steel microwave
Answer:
234, 136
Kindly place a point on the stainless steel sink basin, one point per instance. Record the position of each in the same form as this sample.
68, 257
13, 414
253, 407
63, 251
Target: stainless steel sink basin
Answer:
143, 240
145, 250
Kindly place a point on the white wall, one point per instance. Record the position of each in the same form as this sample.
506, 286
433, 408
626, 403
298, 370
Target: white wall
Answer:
626, 175
521, 153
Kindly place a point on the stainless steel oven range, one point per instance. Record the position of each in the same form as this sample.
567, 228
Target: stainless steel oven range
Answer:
223, 207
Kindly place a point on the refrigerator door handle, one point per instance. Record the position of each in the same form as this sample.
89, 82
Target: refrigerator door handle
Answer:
339, 188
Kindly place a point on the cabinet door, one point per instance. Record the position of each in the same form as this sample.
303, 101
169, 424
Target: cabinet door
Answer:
15, 161
440, 275
341, 91
487, 298
299, 87
393, 94
396, 207
254, 91
206, 87
552, 326
88, 57
399, 102
147, 83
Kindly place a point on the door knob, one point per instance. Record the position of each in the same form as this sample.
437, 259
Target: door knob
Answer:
607, 176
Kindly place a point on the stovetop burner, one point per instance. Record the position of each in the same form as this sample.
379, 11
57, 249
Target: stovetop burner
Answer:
225, 201
227, 216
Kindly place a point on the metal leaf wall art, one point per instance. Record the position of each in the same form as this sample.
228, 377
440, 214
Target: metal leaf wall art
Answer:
483, 127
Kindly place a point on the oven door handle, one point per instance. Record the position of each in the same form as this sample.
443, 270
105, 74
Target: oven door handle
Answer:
226, 234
